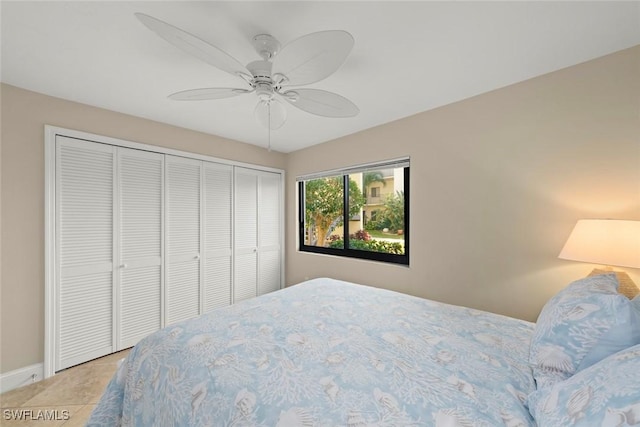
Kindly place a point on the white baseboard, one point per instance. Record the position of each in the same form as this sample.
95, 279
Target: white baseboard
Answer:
21, 377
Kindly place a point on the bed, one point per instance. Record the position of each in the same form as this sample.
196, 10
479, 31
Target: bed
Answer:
332, 353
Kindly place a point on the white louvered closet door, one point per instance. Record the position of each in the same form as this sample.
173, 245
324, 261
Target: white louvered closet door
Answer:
141, 193
246, 234
217, 232
182, 224
269, 232
85, 251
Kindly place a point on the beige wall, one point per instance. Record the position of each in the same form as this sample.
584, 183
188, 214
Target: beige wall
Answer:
497, 184
24, 115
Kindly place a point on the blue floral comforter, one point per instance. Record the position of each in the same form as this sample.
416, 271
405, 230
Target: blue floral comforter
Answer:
327, 353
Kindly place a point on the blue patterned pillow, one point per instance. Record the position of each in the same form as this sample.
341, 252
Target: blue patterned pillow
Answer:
581, 325
605, 394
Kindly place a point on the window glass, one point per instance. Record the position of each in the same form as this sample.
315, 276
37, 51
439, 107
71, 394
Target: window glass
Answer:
377, 217
381, 227
323, 211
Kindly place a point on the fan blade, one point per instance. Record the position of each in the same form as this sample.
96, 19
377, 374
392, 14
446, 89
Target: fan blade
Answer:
207, 93
194, 45
276, 117
313, 57
321, 102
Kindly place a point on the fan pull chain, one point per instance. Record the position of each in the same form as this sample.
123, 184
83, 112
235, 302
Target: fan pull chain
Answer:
269, 128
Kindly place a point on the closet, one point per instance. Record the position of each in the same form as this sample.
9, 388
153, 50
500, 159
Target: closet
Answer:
182, 288
139, 217
85, 249
198, 230
141, 237
257, 236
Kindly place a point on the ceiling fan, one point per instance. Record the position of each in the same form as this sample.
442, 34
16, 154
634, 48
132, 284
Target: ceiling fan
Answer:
303, 61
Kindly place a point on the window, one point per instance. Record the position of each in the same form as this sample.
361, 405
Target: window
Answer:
360, 212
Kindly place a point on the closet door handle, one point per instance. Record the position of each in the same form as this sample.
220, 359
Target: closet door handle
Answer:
123, 266
197, 256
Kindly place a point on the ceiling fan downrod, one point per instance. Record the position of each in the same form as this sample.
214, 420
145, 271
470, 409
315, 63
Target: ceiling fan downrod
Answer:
266, 45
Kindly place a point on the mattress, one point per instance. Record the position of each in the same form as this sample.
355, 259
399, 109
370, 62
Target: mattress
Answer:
327, 353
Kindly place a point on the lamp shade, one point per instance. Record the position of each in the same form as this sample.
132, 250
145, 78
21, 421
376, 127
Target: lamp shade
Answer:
604, 241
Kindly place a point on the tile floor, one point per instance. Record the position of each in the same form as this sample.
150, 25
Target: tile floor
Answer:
76, 390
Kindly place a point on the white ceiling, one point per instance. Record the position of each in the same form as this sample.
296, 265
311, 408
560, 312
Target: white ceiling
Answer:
408, 57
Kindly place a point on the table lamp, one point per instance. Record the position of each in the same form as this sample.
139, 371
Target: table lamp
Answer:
608, 242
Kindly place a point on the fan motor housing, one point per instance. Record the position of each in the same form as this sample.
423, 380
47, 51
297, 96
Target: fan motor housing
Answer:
261, 70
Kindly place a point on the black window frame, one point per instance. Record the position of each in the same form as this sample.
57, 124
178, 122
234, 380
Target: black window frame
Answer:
348, 252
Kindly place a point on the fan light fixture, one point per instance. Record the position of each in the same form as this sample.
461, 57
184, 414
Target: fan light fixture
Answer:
303, 61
